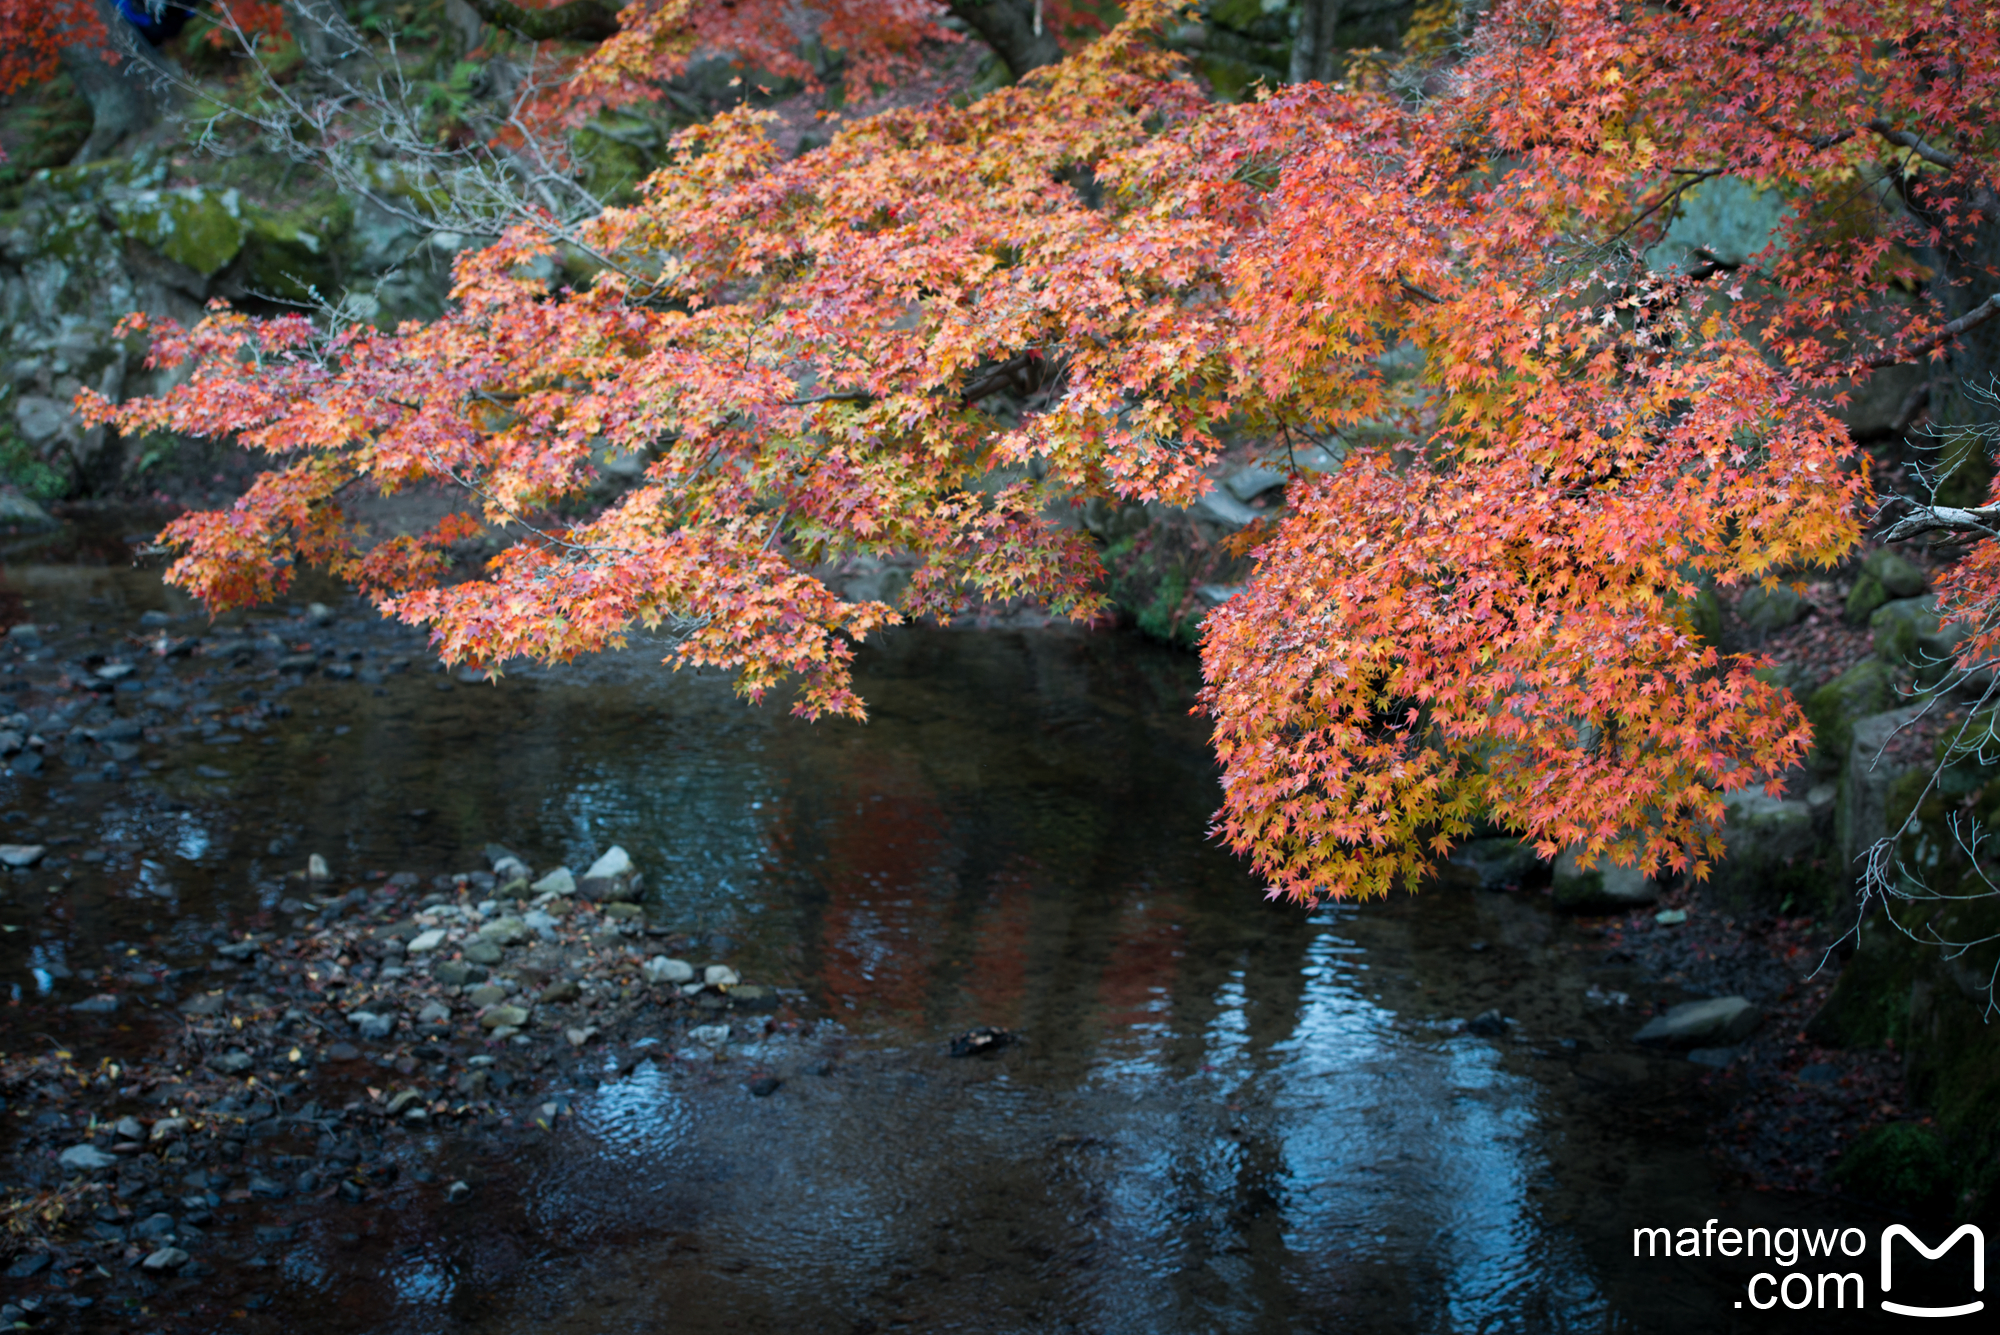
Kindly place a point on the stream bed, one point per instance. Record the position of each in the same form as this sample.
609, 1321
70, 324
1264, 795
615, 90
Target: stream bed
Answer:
1214, 1113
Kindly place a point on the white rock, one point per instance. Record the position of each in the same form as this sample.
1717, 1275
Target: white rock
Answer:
561, 881
21, 855
715, 1035
615, 862
168, 1127
316, 869
1700, 1024
660, 969
720, 975
167, 1258
434, 1012
425, 942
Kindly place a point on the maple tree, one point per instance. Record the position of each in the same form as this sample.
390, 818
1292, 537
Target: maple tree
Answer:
1440, 273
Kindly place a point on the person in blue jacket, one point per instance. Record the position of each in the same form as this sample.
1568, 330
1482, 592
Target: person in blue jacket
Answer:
158, 21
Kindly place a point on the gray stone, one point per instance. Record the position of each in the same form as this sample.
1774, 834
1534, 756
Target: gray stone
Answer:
1249, 483
720, 975
434, 1012
660, 969
1717, 1022
154, 1227
615, 862
21, 855
1861, 816
558, 882
1220, 508
167, 1258
1764, 610
490, 995
560, 991
1899, 579
370, 1025
483, 952
86, 1158
425, 942
1769, 846
1604, 888
1728, 217
1215, 595
234, 1062
104, 1003
510, 1017
1865, 689
128, 1128
18, 512
508, 931
1499, 862
1908, 631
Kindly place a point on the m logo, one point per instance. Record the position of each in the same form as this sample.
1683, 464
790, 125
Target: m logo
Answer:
1894, 1231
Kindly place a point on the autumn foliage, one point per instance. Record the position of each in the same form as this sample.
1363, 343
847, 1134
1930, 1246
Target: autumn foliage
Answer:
1548, 444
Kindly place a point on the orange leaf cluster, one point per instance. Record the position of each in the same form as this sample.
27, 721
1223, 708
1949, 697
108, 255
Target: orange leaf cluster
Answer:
1547, 445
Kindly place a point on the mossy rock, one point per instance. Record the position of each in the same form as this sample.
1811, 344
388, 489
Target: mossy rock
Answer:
1764, 610
287, 261
202, 229
1901, 1165
1869, 687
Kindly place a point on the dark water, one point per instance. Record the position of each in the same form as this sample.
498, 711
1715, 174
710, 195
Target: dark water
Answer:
1223, 1114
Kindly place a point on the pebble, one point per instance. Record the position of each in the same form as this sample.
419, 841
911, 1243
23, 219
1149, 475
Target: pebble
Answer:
167, 1258
457, 1192
128, 1128
508, 931
561, 881
154, 1227
660, 969
84, 1158
372, 1026
719, 975
615, 862
342, 1052
168, 1127
715, 1035
434, 1012
104, 1003
504, 1017
425, 942
492, 994
557, 992
483, 952
1487, 1024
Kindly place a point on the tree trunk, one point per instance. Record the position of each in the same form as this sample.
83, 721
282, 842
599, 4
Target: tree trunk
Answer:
1314, 55
124, 97
1013, 28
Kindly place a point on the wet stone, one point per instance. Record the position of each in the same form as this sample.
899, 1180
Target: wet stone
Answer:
504, 1017
154, 1227
342, 1052
167, 1258
484, 952
489, 995
86, 1158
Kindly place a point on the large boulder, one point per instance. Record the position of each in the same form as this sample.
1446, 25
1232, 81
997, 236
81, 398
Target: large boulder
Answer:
1884, 576
1862, 816
1774, 850
1907, 631
1605, 888
1867, 688
1763, 611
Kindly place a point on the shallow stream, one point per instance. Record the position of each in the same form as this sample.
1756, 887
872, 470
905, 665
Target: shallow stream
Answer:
1221, 1114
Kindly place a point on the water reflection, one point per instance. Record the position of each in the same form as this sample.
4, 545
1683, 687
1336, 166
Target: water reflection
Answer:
1222, 1114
